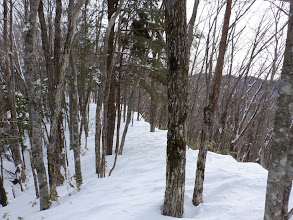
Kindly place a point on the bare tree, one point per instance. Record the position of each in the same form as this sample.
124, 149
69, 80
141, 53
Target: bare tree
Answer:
104, 91
33, 99
3, 196
74, 116
209, 110
177, 55
110, 89
274, 206
10, 79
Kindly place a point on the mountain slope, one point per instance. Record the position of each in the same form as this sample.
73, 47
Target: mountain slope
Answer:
135, 190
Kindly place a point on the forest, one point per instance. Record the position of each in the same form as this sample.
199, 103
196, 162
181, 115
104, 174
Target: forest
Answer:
84, 81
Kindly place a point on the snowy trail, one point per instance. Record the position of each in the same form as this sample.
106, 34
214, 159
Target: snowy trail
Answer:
135, 190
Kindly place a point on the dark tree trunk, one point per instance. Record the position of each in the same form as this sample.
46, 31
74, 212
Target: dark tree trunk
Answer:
108, 71
177, 55
125, 95
138, 103
59, 151
104, 88
3, 196
111, 117
47, 53
153, 108
52, 150
98, 132
109, 100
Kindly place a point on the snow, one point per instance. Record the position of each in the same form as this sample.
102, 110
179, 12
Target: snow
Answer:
26, 28
135, 190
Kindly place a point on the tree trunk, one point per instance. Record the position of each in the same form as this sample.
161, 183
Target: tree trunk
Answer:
153, 108
14, 142
177, 55
108, 127
98, 131
34, 174
74, 122
34, 111
118, 111
128, 119
119, 118
280, 154
111, 117
57, 68
73, 11
104, 90
138, 103
125, 94
60, 151
209, 111
191, 23
3, 196
52, 152
289, 176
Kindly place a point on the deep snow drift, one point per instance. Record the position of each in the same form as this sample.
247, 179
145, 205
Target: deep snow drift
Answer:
135, 190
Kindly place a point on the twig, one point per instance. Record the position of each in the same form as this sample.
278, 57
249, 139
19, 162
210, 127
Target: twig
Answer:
288, 215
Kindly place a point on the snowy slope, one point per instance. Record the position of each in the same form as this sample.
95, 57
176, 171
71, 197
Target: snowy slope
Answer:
135, 190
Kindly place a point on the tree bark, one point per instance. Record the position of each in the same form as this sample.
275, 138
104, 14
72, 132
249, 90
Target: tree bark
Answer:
177, 56
153, 108
98, 131
3, 196
289, 176
109, 99
74, 122
111, 117
59, 145
52, 152
73, 11
128, 119
276, 183
103, 97
14, 142
138, 103
33, 101
34, 174
118, 111
209, 111
191, 26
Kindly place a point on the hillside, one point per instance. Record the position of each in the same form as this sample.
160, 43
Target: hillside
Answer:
135, 190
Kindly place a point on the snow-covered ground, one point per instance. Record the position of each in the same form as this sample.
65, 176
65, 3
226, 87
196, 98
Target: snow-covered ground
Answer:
135, 190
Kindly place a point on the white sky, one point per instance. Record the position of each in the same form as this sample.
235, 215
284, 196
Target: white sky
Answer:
261, 12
